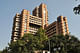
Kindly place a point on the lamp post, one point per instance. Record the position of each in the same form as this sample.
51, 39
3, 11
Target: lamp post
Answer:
49, 46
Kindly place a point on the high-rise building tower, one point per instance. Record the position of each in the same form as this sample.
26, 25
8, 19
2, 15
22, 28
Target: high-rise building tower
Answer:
62, 25
16, 30
41, 11
26, 23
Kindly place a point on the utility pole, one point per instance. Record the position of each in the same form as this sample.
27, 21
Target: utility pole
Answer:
49, 45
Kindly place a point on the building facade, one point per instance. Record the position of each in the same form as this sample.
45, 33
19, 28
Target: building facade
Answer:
25, 23
58, 27
41, 11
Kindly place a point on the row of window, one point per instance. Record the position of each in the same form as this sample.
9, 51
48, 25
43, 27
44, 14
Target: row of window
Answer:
15, 38
35, 21
17, 19
33, 30
50, 28
38, 23
16, 28
35, 18
65, 27
17, 24
16, 33
51, 31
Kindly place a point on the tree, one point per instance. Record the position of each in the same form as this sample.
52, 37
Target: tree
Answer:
57, 44
77, 9
5, 50
42, 38
18, 47
74, 45
0, 51
36, 42
29, 43
64, 44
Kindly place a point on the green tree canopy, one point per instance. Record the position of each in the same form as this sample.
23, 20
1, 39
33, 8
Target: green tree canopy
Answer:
57, 43
77, 9
64, 44
29, 43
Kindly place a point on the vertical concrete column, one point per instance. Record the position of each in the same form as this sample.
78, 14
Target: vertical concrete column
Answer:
66, 23
24, 14
44, 15
28, 15
62, 25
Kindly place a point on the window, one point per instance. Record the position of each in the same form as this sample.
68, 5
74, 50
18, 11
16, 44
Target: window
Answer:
24, 30
17, 19
15, 33
65, 27
16, 29
15, 38
59, 19
17, 24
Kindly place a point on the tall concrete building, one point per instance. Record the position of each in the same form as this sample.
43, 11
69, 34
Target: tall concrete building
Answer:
41, 11
25, 23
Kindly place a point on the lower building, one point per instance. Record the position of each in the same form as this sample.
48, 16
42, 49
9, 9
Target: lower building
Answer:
58, 27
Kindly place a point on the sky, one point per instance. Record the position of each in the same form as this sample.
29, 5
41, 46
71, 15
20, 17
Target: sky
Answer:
8, 9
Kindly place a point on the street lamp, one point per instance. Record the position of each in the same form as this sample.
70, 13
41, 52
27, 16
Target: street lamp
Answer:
49, 45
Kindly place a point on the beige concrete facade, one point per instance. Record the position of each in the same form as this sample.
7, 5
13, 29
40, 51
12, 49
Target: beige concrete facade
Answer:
41, 11
58, 27
16, 27
25, 23
30, 23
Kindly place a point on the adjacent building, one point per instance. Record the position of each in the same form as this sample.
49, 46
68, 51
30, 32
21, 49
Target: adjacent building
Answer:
25, 23
58, 27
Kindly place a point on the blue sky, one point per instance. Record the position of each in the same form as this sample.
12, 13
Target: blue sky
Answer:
8, 9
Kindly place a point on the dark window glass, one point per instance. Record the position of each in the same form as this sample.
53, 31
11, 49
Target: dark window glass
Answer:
59, 19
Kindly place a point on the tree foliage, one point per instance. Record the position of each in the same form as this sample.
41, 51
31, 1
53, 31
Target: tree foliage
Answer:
64, 44
77, 9
0, 51
17, 47
57, 43
28, 43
